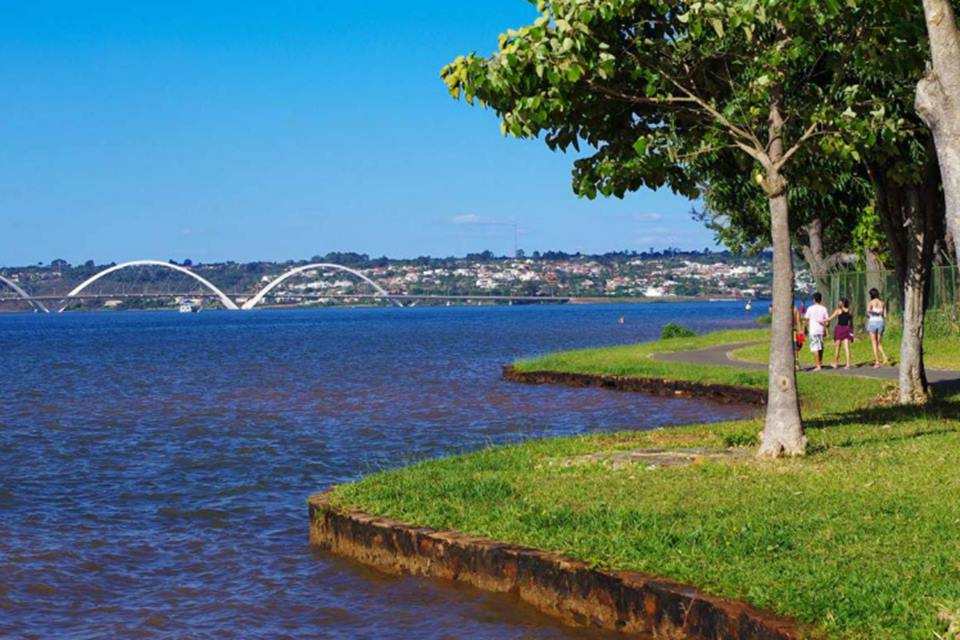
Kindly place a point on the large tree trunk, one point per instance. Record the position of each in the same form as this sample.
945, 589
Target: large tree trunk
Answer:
813, 252
783, 430
909, 215
912, 376
938, 104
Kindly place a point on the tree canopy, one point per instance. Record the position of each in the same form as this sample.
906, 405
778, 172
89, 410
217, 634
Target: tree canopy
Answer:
649, 86
807, 99
654, 89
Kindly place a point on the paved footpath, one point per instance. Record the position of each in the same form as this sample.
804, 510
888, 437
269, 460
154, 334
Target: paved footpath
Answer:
721, 355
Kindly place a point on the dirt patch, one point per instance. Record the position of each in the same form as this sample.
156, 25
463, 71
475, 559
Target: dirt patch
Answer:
721, 393
657, 458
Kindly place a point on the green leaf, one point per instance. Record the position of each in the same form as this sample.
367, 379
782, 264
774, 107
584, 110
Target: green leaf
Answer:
640, 146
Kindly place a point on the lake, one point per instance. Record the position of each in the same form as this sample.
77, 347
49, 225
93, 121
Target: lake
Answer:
154, 466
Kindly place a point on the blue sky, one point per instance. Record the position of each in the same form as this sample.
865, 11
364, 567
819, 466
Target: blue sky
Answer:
274, 130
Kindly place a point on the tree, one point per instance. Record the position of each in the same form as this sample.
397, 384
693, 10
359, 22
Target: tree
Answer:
827, 202
649, 87
898, 156
875, 175
938, 103
911, 208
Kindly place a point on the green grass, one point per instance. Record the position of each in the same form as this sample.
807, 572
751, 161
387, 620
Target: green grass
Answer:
861, 538
939, 351
637, 360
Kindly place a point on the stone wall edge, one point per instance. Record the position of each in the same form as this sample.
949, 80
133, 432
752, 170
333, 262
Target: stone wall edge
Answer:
629, 602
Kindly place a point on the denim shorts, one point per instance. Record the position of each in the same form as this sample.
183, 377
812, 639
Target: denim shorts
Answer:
875, 325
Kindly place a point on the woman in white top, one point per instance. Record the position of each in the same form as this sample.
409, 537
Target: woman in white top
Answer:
876, 323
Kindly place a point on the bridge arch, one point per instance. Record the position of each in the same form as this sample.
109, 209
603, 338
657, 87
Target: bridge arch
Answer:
39, 306
260, 295
224, 298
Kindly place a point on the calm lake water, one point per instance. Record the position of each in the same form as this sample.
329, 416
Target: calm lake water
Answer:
154, 466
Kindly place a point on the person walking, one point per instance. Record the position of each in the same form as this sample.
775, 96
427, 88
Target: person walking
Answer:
876, 323
798, 337
843, 332
817, 320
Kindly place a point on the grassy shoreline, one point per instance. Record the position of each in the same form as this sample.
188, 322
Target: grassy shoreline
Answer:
638, 360
939, 351
860, 538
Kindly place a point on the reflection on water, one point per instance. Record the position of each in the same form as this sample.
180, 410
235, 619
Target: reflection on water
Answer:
154, 466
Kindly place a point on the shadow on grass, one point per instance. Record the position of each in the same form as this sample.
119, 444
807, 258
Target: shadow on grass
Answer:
884, 415
941, 410
946, 389
853, 441
807, 367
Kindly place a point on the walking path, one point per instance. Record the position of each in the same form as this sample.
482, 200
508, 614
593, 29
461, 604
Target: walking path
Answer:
722, 355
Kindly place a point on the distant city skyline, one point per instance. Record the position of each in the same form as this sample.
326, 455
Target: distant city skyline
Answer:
249, 131
348, 278
337, 257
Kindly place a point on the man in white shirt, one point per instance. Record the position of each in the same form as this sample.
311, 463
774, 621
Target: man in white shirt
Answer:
817, 318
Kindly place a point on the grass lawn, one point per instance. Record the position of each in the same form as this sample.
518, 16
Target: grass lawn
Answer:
939, 351
637, 360
860, 538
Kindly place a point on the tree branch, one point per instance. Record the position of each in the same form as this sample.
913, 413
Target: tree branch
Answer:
837, 259
743, 138
700, 152
737, 132
809, 133
757, 154
628, 97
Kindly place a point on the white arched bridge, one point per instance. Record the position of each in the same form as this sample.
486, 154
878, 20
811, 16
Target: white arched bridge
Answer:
249, 301
78, 292
260, 295
36, 304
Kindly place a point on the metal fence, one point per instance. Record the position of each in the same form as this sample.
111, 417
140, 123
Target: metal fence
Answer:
855, 286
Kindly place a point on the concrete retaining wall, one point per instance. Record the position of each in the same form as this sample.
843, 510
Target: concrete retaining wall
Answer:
629, 602
722, 393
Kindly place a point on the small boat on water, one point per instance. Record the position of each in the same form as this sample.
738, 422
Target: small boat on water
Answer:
189, 307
